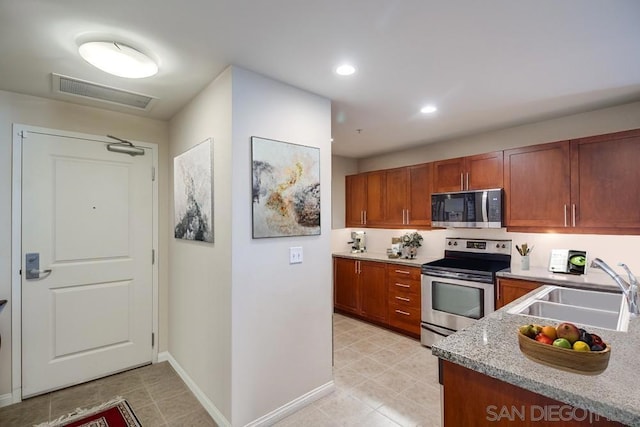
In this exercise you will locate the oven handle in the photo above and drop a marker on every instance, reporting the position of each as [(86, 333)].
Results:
[(436, 332)]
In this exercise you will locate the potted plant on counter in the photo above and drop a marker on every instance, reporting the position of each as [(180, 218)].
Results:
[(411, 241)]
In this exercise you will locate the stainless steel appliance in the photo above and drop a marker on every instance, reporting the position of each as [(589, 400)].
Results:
[(467, 209), (459, 288)]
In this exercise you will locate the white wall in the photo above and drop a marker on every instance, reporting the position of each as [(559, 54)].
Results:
[(29, 110), (200, 273), (281, 313)]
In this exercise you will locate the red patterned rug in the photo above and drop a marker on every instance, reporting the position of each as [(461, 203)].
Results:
[(115, 413)]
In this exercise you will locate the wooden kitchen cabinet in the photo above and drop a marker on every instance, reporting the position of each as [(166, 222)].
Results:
[(355, 199), (394, 198), (359, 288), (408, 196), (537, 185), (508, 290), (485, 397), (477, 172), (404, 298), (605, 174), (585, 185)]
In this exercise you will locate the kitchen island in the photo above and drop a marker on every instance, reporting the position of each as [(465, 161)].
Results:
[(488, 381)]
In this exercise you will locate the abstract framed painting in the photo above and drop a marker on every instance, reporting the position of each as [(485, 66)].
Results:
[(286, 189), (193, 193)]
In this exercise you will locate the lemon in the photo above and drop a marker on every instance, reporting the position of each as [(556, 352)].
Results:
[(581, 346)]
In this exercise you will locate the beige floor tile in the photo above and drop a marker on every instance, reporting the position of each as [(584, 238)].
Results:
[(422, 366), (365, 346), (199, 418), (375, 419), (344, 409), (343, 357), (424, 393), (406, 412), (68, 400), (138, 398), (168, 387), (395, 380), (387, 356), (154, 373), (177, 406), (150, 415), (309, 416), (372, 393), (346, 378), (344, 339), (368, 367)]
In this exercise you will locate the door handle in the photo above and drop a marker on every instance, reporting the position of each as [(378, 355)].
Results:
[(32, 267), (36, 274)]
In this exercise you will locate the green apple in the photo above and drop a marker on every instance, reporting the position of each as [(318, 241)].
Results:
[(562, 342)]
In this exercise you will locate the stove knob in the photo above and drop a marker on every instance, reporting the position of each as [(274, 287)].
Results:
[(503, 246), (449, 243), (497, 245), (455, 243)]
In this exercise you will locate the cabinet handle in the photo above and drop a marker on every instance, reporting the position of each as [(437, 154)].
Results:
[(404, 299), (573, 213), (498, 292), (565, 215), (462, 181), (355, 267), (359, 267), (403, 312), (467, 180), (402, 285), (403, 272), (408, 221), (365, 217)]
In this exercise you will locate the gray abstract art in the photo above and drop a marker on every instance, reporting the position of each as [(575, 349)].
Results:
[(193, 193)]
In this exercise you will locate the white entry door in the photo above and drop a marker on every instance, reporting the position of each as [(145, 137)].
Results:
[(88, 215)]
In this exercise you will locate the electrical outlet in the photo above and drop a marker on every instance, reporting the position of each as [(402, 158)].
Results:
[(295, 255)]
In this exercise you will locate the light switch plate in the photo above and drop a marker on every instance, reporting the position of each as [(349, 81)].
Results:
[(295, 255)]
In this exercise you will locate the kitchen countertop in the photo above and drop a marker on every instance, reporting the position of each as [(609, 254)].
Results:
[(382, 257), (490, 346), (593, 279)]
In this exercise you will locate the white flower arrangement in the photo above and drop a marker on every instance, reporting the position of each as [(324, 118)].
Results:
[(412, 240)]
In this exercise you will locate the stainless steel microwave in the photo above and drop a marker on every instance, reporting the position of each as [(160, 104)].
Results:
[(467, 209)]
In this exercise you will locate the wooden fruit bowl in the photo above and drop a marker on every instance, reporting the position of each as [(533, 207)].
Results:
[(579, 362)]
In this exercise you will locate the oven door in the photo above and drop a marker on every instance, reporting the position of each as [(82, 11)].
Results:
[(455, 303)]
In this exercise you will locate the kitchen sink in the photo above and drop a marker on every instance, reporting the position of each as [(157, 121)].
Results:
[(584, 307)]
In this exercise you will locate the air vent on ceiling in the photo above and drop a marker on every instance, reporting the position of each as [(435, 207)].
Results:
[(72, 86)]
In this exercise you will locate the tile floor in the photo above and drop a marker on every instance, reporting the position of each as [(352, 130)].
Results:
[(381, 378), (155, 392)]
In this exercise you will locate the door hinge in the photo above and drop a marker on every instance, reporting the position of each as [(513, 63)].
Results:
[(153, 256), (153, 339), (153, 173)]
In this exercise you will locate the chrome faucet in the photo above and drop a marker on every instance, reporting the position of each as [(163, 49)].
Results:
[(630, 289)]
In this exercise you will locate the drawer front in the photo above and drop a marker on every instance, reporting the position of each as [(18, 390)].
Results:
[(398, 286), (405, 318), (405, 300), (401, 272)]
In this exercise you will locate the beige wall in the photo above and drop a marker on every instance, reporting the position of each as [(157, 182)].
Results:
[(200, 273), (29, 110), (242, 318), (340, 167), (622, 117)]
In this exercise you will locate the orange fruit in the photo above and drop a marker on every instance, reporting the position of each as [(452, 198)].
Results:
[(550, 331)]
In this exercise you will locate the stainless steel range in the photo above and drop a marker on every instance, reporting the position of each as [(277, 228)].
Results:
[(459, 288)]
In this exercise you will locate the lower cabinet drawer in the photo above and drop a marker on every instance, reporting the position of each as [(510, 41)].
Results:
[(404, 317)]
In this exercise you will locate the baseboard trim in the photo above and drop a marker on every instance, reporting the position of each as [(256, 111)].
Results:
[(8, 399), (293, 406), (202, 398)]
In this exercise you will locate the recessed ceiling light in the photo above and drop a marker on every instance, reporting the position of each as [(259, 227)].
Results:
[(345, 70), (118, 59), (428, 109)]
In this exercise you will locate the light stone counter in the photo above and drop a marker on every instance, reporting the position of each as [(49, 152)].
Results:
[(594, 279), (490, 346), (382, 257)]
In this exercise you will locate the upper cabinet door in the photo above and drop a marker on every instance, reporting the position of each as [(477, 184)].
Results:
[(419, 201), (375, 211), (448, 175), (605, 175), (355, 199), (484, 171), (396, 187), (537, 185)]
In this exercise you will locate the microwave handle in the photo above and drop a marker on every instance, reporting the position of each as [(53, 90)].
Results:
[(485, 203)]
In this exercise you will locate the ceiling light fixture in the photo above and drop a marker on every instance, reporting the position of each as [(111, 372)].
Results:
[(345, 70), (428, 109), (118, 59)]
